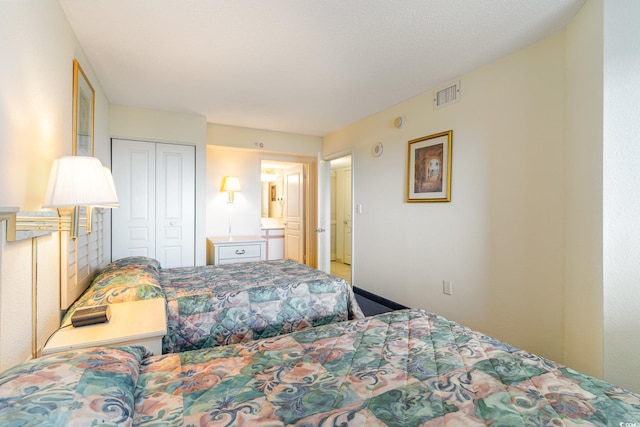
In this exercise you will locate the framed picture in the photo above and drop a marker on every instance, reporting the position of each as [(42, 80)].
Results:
[(429, 168), (83, 113), (273, 192)]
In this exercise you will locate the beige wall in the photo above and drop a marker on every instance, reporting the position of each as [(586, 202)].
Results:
[(238, 151), (583, 309), (263, 141), (37, 48), (540, 239), (501, 239)]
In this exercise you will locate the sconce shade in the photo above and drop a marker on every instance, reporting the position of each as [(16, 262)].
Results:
[(112, 185), (268, 177), (231, 183), (80, 181)]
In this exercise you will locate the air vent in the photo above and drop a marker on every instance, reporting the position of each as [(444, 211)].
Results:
[(446, 95)]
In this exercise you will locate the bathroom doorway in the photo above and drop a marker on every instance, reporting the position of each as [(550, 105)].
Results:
[(341, 217), (283, 209)]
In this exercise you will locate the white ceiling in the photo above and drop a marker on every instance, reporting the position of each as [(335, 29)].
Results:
[(300, 66)]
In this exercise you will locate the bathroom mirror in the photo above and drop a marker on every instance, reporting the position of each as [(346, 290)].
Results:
[(272, 188), (272, 197), (272, 194)]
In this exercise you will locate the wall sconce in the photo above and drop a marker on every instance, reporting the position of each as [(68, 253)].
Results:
[(74, 182), (231, 184), (268, 175)]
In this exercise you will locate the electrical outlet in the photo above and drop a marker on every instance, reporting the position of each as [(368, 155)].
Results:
[(447, 288)]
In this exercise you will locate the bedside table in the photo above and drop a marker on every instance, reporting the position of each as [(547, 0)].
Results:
[(225, 250), (132, 323)]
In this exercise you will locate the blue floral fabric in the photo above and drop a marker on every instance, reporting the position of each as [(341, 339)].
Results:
[(81, 387), (124, 280), (212, 305), (219, 305), (404, 368)]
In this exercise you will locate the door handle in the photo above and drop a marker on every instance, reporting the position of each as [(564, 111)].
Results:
[(319, 230)]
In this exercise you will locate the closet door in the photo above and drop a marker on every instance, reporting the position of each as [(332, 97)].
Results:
[(133, 165), (175, 205), (156, 188)]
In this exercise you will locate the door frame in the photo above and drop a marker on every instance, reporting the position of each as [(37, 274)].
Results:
[(310, 190), (326, 206)]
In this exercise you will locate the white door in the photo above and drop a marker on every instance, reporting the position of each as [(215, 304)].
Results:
[(348, 216), (175, 205), (134, 175), (324, 215), (340, 198), (341, 205), (294, 213), (333, 213), (156, 188)]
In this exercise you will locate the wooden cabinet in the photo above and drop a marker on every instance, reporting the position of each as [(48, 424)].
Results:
[(225, 250)]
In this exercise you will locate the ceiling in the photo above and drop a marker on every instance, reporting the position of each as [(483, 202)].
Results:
[(301, 66)]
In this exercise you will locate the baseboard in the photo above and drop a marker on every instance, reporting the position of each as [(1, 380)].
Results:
[(380, 300)]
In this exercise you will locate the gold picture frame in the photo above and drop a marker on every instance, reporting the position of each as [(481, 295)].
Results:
[(429, 168), (83, 113)]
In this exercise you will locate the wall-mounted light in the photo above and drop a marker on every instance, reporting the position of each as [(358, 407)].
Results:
[(230, 184), (268, 175), (74, 182)]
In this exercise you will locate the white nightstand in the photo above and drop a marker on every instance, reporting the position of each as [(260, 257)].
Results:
[(225, 250), (132, 323)]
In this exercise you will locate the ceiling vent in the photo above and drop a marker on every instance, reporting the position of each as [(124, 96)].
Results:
[(447, 94)]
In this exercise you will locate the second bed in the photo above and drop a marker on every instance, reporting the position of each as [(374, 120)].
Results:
[(209, 306)]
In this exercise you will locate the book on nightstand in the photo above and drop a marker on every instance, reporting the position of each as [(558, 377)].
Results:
[(90, 315)]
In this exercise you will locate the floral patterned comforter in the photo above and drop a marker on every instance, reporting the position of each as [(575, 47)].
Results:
[(219, 305), (127, 279), (77, 388), (405, 368)]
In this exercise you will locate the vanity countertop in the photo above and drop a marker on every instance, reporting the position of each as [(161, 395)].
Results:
[(273, 227)]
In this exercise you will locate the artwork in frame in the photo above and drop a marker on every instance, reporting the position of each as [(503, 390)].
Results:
[(429, 168), (83, 113), (273, 192)]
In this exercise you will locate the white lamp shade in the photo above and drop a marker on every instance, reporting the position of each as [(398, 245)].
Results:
[(80, 181), (231, 183), (112, 185), (268, 177)]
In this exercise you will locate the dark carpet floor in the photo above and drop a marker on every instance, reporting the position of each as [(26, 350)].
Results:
[(372, 304)]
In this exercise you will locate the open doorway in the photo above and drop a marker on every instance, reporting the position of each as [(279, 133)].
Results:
[(341, 217), (283, 202)]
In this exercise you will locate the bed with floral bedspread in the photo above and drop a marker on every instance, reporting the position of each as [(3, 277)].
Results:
[(405, 368), (212, 305)]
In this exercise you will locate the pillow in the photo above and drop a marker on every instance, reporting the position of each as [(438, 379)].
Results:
[(137, 261), (80, 387), (124, 280)]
